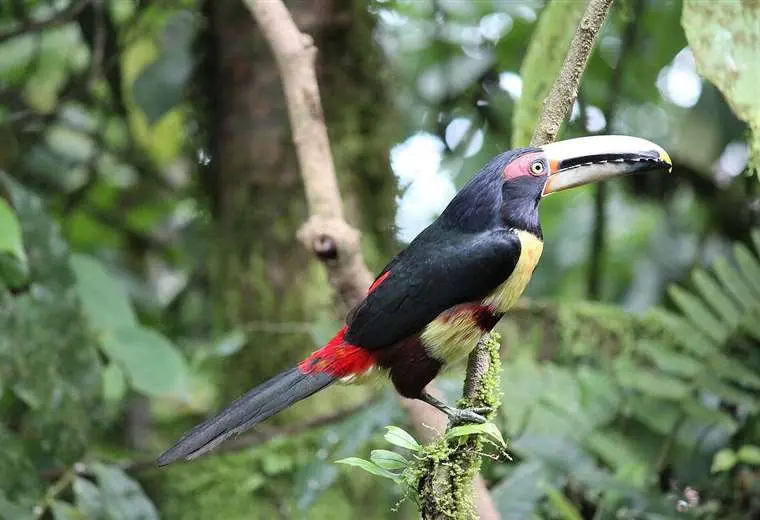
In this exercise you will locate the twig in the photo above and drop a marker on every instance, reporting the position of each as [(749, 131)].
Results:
[(58, 19), (600, 194), (326, 233), (565, 89)]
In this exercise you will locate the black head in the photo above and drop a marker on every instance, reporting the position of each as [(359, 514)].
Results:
[(506, 192)]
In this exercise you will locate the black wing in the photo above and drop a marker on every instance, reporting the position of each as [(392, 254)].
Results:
[(439, 269)]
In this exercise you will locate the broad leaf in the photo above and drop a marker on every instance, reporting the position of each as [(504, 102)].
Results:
[(389, 460), (725, 38), (104, 299), (13, 266), (88, 498), (123, 498), (724, 460), (749, 454), (65, 511), (489, 429), (114, 384), (518, 496), (399, 437), (152, 364), (10, 232), (368, 466)]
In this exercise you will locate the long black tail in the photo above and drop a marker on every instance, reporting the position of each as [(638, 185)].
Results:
[(258, 404)]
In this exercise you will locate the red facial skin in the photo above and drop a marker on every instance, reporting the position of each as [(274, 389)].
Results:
[(520, 167)]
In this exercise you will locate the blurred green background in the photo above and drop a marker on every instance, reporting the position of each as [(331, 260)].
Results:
[(149, 270)]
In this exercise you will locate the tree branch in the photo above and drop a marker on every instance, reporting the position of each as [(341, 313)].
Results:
[(562, 95), (326, 233)]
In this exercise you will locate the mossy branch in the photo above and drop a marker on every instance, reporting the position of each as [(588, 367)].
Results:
[(444, 471)]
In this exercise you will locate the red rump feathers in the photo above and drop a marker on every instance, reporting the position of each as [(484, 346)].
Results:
[(338, 359)]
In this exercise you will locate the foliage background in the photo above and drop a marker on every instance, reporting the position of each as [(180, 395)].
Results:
[(149, 270)]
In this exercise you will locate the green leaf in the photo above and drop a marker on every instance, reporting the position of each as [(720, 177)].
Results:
[(713, 294), (389, 460), (14, 511), (543, 61), (88, 498), (734, 283), (749, 266), (710, 417), (751, 325), (153, 365), (14, 269), (65, 511), (489, 429), (564, 508), (756, 240), (724, 460), (369, 467), (522, 383), (114, 384), (161, 85), (749, 454), (733, 370), (687, 335), (700, 316), (104, 299), (724, 38), (399, 437), (517, 497), (670, 361), (10, 232), (649, 382), (123, 498), (727, 392)]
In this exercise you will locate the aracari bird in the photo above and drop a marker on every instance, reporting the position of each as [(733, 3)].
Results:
[(435, 299)]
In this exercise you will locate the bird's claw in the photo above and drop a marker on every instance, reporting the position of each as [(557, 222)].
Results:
[(469, 415)]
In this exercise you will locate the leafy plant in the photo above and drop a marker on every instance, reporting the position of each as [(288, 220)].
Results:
[(667, 396)]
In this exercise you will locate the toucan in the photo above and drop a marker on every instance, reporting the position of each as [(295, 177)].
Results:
[(433, 301)]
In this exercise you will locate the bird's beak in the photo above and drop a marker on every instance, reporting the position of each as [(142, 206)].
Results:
[(576, 162)]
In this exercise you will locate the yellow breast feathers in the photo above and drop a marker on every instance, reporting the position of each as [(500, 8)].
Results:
[(455, 332), (507, 294)]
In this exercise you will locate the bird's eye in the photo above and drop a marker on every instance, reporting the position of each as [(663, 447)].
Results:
[(537, 168)]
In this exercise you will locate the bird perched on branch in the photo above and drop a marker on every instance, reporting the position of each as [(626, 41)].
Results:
[(432, 303)]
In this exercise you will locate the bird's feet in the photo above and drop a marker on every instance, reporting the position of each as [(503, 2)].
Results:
[(468, 415), (458, 416)]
